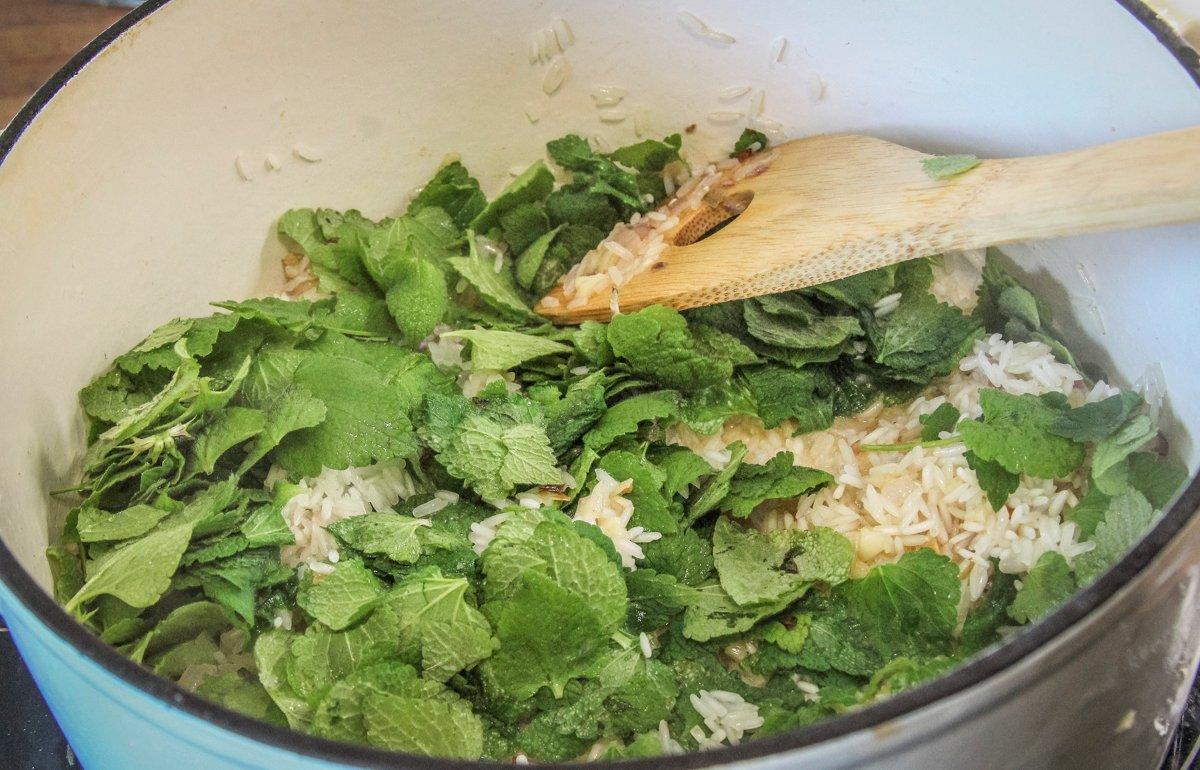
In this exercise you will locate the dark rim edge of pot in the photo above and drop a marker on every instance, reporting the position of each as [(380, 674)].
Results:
[(975, 672)]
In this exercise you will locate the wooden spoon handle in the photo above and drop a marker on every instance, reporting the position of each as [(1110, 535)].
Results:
[(1149, 180)]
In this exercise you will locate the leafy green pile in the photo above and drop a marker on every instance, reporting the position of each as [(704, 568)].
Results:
[(413, 641)]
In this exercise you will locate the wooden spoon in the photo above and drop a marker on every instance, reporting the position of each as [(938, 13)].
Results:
[(832, 206)]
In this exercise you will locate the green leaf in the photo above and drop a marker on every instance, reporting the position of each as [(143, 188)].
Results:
[(682, 468), (555, 549), (1127, 519), (94, 525), (233, 691), (504, 350), (946, 166), (498, 290), (454, 191), (1158, 478), (341, 598), (439, 728), (782, 393), (235, 582), (272, 652), (624, 417), (66, 572), (1092, 422), (366, 420), (779, 479), (717, 487), (339, 715), (548, 636), (266, 525), (806, 330), (655, 342), (751, 565), (1130, 437), (533, 257), (533, 185), (922, 338), (418, 299), (1047, 584), (984, 621), (229, 428), (939, 421), (997, 482), (187, 622), (1015, 432), (575, 413), (435, 617), (138, 573), (384, 534), (746, 142), (495, 450), (711, 613)]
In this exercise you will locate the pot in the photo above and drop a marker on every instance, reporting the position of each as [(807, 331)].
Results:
[(145, 178)]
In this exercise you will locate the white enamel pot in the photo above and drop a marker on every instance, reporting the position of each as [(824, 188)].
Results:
[(136, 187)]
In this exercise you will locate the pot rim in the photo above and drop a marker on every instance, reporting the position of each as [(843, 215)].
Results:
[(999, 659)]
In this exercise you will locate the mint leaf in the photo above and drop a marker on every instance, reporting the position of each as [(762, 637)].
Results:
[(1092, 422), (417, 299), (751, 565), (1015, 432), (272, 652), (339, 715), (624, 417), (686, 556), (441, 728), (717, 487), (656, 343), (681, 467), (533, 185), (922, 338), (568, 418), (941, 167), (997, 483), (504, 350), (341, 598), (365, 420), (556, 550), (939, 421), (783, 393), (493, 447), (711, 613), (747, 141), (138, 573), (94, 525), (984, 621), (1127, 519), (1158, 478), (454, 191), (235, 425), (384, 534), (533, 257), (1047, 584), (779, 479), (437, 620), (1113, 449), (498, 290), (797, 327), (548, 636)]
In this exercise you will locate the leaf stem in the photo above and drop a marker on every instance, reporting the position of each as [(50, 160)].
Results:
[(910, 445)]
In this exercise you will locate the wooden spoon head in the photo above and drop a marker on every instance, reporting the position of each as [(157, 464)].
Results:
[(822, 208)]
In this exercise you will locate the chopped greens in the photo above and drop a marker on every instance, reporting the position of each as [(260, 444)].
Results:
[(410, 514)]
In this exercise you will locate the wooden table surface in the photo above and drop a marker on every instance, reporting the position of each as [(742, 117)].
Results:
[(39, 36)]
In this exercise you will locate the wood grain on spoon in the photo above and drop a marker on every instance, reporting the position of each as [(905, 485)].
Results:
[(832, 206)]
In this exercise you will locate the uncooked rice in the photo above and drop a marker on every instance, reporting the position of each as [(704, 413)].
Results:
[(632, 248), (332, 496), (607, 507), (727, 716)]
